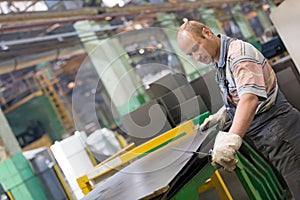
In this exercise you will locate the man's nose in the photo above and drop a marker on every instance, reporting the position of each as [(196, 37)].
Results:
[(195, 56)]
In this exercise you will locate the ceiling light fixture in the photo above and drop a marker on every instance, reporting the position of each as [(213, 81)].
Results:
[(4, 47)]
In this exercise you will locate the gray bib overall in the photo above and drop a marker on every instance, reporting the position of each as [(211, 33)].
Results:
[(275, 133)]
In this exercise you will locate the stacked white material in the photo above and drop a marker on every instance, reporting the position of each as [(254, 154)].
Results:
[(73, 160)]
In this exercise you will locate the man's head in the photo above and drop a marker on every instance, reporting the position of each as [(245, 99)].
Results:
[(198, 41)]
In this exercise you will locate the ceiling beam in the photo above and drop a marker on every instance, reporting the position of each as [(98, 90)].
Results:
[(170, 6), (43, 16), (17, 0), (95, 13)]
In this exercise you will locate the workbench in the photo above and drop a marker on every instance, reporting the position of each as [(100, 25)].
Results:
[(159, 173), (170, 174)]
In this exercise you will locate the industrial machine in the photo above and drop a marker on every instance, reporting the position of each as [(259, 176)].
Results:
[(157, 170)]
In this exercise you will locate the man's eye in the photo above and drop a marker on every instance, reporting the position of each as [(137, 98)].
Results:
[(195, 48)]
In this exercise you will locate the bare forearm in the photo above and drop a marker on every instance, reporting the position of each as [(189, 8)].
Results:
[(244, 114)]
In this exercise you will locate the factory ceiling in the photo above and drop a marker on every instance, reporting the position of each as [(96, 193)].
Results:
[(29, 37)]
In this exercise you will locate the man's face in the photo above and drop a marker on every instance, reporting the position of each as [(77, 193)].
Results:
[(194, 48)]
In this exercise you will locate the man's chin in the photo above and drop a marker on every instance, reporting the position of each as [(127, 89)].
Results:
[(207, 61), (206, 64)]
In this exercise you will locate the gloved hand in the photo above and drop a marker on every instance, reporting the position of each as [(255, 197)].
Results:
[(225, 148), (220, 116)]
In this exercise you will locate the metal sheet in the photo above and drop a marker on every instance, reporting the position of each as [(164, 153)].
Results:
[(150, 173)]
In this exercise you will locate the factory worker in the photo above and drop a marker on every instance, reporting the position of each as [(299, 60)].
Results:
[(252, 100)]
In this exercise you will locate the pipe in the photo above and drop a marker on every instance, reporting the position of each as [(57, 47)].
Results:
[(7, 29), (168, 7), (13, 18), (21, 62), (57, 36), (64, 17), (32, 60)]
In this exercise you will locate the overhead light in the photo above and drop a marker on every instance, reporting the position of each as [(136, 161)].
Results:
[(2, 89), (110, 3), (137, 26), (138, 66), (60, 39), (4, 47), (141, 51), (265, 7), (71, 85), (108, 18), (121, 3), (159, 45)]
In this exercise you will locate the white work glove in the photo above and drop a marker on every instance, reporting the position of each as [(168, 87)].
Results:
[(220, 116), (225, 148)]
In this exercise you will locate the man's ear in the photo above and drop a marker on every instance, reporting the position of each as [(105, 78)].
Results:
[(206, 32)]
